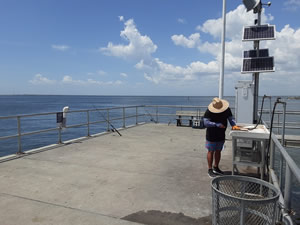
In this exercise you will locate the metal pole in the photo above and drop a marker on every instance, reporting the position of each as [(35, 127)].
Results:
[(283, 124), (108, 120), (136, 115), (255, 104), (59, 135), (287, 187), (221, 81), (88, 123), (156, 114), (124, 124), (255, 76), (281, 171), (19, 136)]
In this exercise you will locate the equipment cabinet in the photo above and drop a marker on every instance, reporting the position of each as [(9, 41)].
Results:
[(249, 148)]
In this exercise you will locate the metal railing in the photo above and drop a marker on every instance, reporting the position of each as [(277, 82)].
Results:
[(106, 116), (283, 178), (278, 122), (282, 168)]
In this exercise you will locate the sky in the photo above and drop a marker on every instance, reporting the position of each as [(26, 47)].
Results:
[(140, 47)]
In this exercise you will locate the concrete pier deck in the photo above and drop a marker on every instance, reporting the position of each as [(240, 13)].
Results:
[(152, 174)]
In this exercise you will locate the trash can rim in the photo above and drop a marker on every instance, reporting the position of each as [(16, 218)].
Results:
[(245, 178)]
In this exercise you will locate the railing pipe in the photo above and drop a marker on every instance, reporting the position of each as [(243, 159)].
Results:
[(281, 172), (136, 115), (285, 216), (283, 123), (287, 187), (124, 122), (293, 166), (59, 135), (108, 120), (88, 122), (19, 135)]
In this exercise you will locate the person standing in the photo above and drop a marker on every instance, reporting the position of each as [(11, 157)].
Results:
[(215, 121)]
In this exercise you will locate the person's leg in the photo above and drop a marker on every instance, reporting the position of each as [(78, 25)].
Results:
[(217, 158), (210, 159)]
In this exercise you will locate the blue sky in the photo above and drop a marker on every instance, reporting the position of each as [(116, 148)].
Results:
[(139, 47)]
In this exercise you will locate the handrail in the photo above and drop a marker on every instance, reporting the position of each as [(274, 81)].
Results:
[(88, 122), (291, 163)]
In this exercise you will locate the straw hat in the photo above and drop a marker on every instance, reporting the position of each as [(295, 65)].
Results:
[(218, 105)]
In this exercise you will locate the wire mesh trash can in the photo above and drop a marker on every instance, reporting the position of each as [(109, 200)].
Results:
[(239, 200)]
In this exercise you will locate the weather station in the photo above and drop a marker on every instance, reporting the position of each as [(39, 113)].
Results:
[(255, 61), (249, 144)]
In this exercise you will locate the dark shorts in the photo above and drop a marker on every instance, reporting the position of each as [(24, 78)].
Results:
[(214, 146)]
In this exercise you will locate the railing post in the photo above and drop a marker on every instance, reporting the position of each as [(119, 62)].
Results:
[(287, 187), (124, 122), (278, 122), (281, 172), (156, 114), (108, 120), (136, 115), (88, 122), (59, 134), (19, 136), (283, 124), (272, 159)]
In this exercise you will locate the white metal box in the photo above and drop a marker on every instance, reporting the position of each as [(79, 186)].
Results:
[(244, 100)]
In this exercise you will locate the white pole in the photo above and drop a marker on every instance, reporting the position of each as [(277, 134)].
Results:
[(221, 81)]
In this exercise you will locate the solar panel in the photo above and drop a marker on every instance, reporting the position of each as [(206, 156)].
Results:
[(253, 53), (255, 33), (257, 65)]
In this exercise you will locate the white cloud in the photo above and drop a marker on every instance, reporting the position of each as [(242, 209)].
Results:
[(285, 49), (292, 5), (235, 20), (60, 47), (40, 79), (181, 20), (191, 42), (70, 81), (101, 72), (139, 46), (160, 72), (123, 74)]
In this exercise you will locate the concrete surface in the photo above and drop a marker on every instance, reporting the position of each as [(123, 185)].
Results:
[(152, 174)]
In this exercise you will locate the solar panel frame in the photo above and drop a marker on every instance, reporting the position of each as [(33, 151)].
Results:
[(258, 65), (257, 33), (253, 53)]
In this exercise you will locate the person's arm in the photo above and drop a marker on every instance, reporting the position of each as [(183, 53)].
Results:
[(231, 121), (208, 123)]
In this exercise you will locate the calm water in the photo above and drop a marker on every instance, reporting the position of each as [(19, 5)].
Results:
[(30, 104)]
